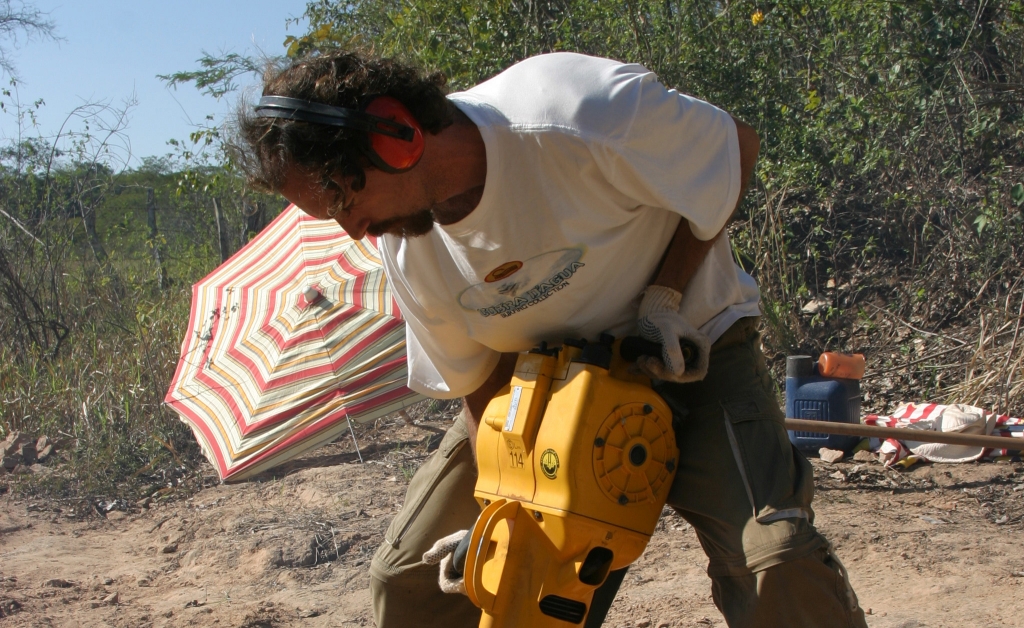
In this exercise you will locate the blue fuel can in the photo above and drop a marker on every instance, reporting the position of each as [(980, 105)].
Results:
[(814, 397)]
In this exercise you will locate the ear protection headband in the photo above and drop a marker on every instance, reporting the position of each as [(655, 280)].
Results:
[(394, 137)]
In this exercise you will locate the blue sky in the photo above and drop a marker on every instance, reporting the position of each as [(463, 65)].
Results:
[(114, 48)]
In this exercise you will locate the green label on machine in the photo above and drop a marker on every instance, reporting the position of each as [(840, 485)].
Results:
[(549, 463)]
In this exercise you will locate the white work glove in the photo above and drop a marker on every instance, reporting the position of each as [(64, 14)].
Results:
[(659, 321), (441, 553)]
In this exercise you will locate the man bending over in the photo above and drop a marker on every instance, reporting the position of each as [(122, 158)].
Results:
[(565, 197)]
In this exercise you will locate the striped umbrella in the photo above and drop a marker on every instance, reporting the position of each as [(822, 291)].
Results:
[(289, 340)]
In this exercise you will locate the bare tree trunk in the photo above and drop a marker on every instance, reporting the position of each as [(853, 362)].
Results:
[(154, 243), (255, 220), (222, 233)]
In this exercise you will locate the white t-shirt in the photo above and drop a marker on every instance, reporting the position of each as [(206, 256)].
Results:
[(590, 165)]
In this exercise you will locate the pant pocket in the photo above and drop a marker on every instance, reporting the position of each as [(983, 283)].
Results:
[(777, 479), (425, 481)]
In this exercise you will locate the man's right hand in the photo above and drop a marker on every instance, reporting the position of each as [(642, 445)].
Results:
[(659, 321)]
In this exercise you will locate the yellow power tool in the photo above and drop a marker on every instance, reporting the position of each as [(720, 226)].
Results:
[(575, 461)]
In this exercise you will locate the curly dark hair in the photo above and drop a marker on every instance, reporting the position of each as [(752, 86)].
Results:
[(264, 148)]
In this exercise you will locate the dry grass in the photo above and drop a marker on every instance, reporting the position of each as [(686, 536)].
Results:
[(101, 397), (994, 371)]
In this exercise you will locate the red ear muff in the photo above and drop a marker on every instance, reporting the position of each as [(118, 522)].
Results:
[(394, 139), (392, 154)]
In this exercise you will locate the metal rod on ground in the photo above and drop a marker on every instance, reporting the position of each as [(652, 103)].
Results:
[(354, 442), (918, 436)]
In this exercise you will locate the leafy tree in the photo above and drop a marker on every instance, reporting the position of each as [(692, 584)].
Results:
[(217, 74)]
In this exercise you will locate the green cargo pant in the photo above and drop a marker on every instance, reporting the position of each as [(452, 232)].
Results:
[(740, 484)]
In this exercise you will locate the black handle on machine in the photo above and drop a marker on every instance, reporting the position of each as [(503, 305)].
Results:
[(633, 347), (459, 556)]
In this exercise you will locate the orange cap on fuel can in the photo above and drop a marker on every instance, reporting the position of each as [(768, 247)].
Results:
[(841, 365)]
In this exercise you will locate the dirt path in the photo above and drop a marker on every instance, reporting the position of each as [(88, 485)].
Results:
[(931, 547)]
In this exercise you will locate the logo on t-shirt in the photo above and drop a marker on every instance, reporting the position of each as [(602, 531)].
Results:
[(501, 272), (514, 286)]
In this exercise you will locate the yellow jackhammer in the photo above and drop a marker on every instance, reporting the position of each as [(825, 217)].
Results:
[(575, 458)]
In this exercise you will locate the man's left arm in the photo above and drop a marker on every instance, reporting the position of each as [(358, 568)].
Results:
[(658, 318), (686, 252)]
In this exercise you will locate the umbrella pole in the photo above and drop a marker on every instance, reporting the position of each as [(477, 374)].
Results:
[(354, 442)]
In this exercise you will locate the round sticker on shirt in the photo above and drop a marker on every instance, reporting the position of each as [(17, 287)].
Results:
[(505, 270)]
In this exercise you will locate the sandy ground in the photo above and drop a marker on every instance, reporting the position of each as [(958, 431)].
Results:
[(932, 546)]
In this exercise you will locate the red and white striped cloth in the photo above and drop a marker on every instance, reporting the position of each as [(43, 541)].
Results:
[(942, 418)]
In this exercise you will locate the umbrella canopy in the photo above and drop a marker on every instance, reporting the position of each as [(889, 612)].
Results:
[(293, 337)]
